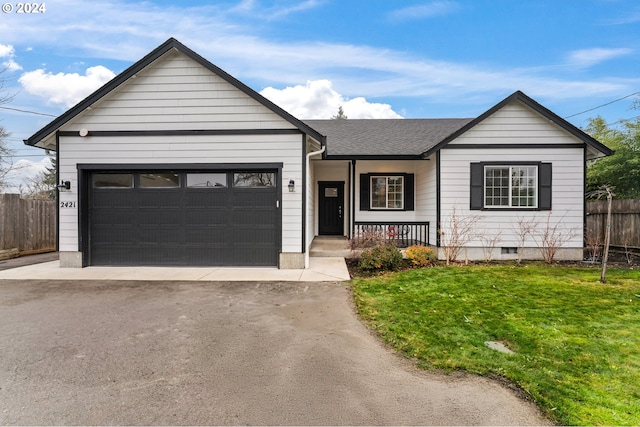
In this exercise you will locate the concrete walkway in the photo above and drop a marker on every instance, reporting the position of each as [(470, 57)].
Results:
[(322, 269)]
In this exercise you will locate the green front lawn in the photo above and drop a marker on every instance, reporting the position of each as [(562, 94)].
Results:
[(576, 341)]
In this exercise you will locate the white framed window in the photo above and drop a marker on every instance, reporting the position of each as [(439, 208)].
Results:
[(387, 192), (508, 186)]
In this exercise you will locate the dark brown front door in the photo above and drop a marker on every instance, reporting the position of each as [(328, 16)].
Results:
[(331, 207)]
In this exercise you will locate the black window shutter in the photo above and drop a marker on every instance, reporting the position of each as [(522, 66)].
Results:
[(408, 192), (477, 186), (364, 192), (544, 186)]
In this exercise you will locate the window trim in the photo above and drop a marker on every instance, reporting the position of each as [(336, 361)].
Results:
[(371, 192), (408, 191), (510, 166), (544, 186)]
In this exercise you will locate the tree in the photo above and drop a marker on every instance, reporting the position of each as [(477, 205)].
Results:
[(6, 163), (6, 154), (43, 185), (605, 191), (622, 170), (51, 179), (341, 115)]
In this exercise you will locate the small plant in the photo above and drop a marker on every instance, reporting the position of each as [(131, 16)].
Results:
[(421, 256), (381, 257), (524, 227), (592, 239), (489, 244), (628, 252), (456, 233), (551, 238), (366, 238)]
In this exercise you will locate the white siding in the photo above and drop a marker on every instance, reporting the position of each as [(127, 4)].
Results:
[(516, 124), (390, 167), (176, 93), (426, 195)]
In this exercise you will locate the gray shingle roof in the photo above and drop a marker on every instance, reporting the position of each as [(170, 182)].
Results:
[(384, 137)]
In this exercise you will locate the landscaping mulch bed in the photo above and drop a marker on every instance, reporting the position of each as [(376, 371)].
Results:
[(617, 259)]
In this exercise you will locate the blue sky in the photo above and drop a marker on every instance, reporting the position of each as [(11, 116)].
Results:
[(440, 58)]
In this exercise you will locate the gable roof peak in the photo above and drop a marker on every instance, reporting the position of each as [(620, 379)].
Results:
[(518, 95), (170, 44)]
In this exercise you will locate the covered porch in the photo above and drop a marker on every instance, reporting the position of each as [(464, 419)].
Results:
[(370, 200)]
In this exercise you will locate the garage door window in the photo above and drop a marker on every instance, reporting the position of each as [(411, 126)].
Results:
[(112, 180), (207, 180), (159, 180), (254, 179)]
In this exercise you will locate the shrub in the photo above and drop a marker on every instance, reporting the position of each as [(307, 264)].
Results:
[(381, 257), (421, 256), (366, 239)]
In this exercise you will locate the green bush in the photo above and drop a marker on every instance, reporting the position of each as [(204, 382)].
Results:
[(421, 256), (381, 257)]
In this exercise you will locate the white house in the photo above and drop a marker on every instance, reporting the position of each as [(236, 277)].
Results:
[(175, 162)]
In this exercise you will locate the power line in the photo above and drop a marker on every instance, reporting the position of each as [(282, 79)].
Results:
[(603, 105), (624, 120), (27, 111)]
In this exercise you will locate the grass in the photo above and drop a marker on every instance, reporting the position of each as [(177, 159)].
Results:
[(576, 341)]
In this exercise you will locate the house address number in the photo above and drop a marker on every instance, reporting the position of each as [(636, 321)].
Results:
[(67, 204)]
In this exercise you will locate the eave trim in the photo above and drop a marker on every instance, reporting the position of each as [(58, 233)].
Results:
[(550, 115), (147, 60)]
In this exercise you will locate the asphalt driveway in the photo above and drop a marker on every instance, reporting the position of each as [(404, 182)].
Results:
[(110, 352)]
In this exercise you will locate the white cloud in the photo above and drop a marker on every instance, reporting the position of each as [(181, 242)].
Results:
[(305, 5), (23, 171), (318, 100), (588, 57), (67, 89), (230, 38), (11, 65), (7, 51), (429, 10), (630, 17)]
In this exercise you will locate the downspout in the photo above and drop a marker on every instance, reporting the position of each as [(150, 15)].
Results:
[(57, 191), (308, 191)]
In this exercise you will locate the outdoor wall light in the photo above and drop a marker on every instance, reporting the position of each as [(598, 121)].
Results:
[(64, 185), (292, 186)]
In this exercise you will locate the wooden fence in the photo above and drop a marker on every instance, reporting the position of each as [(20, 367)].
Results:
[(26, 224), (625, 222)]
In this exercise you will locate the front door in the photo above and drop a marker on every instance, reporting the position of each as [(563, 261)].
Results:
[(331, 208)]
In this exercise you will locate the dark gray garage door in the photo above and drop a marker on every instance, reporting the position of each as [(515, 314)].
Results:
[(228, 218)]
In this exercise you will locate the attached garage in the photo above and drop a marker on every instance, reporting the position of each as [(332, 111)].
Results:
[(178, 217), (176, 163)]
